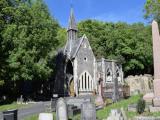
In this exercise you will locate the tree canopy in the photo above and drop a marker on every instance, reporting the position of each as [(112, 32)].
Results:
[(129, 44), (152, 10)]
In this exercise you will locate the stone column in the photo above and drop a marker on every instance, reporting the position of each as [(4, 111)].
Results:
[(156, 58)]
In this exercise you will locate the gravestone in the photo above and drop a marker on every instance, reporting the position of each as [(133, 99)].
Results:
[(1, 116), (155, 97), (45, 116), (10, 114), (61, 110), (88, 111), (117, 115), (156, 56), (99, 99)]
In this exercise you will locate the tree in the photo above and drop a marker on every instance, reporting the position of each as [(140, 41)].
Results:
[(129, 44), (152, 10), (28, 41)]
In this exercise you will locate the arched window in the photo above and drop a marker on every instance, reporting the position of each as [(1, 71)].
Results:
[(85, 82)]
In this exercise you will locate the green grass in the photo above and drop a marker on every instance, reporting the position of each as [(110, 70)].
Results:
[(103, 113), (13, 105)]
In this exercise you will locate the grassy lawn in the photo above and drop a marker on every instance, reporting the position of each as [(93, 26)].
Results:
[(13, 105), (103, 113)]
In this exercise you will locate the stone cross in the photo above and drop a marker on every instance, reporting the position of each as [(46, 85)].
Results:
[(88, 111), (61, 110), (156, 57)]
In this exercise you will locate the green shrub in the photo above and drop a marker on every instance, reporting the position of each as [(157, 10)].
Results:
[(140, 106)]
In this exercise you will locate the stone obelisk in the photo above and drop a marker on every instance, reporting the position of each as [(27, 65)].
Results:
[(156, 58)]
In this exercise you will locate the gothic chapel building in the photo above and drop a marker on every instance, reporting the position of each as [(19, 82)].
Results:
[(76, 66)]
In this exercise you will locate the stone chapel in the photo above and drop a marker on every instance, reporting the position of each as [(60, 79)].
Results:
[(78, 72)]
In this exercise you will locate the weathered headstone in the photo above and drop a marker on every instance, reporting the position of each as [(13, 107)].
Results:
[(88, 111), (61, 110), (45, 116), (156, 57), (1, 116), (117, 115)]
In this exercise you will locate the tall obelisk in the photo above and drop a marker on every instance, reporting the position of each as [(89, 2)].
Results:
[(156, 58)]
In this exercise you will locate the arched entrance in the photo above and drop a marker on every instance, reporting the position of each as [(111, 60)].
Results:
[(85, 82), (69, 78)]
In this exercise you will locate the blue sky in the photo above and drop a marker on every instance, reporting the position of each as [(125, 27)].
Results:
[(129, 11)]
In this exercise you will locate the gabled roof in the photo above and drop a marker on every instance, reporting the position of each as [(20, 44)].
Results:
[(74, 51)]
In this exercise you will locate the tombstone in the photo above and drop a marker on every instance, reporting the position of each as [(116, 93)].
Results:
[(99, 99), (45, 116), (20, 100), (88, 111), (10, 114), (156, 56), (117, 115), (61, 110), (1, 116)]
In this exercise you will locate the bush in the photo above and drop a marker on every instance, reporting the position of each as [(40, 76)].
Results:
[(141, 106)]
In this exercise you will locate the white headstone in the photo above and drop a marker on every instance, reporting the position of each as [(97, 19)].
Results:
[(45, 116), (61, 110)]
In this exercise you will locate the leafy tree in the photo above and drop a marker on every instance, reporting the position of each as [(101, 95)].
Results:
[(152, 10), (129, 44), (28, 41)]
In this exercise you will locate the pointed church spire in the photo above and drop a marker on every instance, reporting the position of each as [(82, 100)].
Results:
[(72, 22), (72, 32)]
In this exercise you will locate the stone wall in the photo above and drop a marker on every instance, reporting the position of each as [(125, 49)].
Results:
[(140, 83)]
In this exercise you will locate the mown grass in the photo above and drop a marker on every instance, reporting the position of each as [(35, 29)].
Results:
[(13, 105), (103, 113)]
